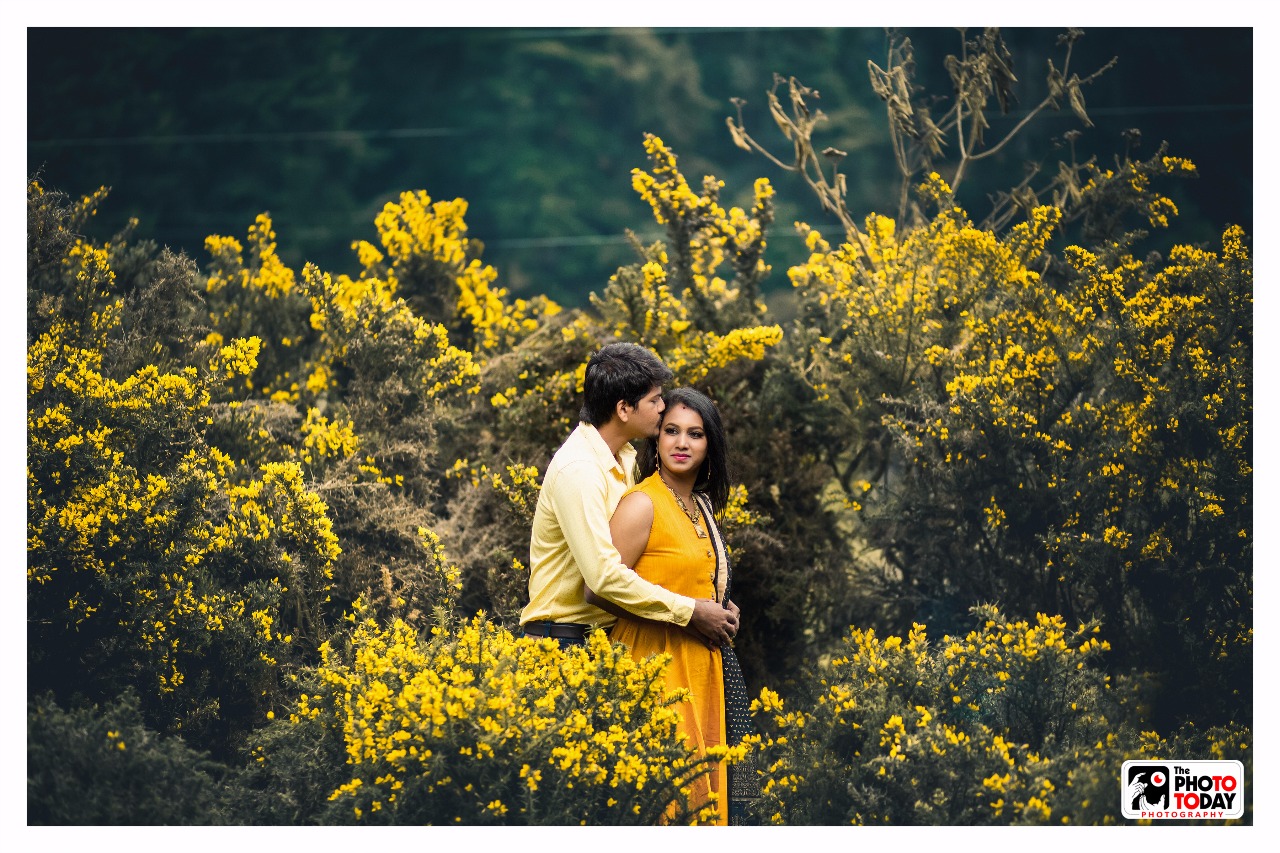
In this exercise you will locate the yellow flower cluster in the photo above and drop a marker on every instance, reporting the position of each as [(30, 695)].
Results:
[(519, 485), (721, 351), (705, 234), (324, 438), (676, 302), (890, 302), (239, 358), (477, 726), (1133, 181), (266, 273), (437, 365), (304, 352), (533, 392), (1001, 651), (447, 572), (426, 245), (91, 268), (250, 293), (736, 513)]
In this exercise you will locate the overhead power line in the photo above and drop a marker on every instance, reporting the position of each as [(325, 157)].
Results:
[(559, 242), (437, 132), (1171, 108)]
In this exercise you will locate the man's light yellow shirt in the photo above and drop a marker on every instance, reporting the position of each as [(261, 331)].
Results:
[(571, 541)]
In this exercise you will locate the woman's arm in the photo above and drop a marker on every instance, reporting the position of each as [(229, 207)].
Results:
[(630, 526), (603, 603)]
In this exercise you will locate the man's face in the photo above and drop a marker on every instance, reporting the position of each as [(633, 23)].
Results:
[(646, 418)]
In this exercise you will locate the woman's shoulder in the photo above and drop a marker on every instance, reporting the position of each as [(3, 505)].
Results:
[(635, 508), (645, 486), (643, 492)]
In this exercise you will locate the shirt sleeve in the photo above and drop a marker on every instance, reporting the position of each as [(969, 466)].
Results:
[(580, 501)]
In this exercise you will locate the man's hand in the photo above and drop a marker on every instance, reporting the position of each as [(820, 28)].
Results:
[(714, 622)]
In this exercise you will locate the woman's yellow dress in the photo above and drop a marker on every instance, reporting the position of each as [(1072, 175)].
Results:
[(679, 560)]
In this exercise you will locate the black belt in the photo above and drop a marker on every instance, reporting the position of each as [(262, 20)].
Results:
[(556, 630)]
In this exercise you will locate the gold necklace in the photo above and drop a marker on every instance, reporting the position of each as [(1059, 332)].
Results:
[(694, 516)]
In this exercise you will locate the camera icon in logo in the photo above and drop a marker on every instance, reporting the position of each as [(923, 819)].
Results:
[(1147, 787)]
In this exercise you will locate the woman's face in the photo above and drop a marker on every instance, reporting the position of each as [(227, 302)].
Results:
[(682, 442)]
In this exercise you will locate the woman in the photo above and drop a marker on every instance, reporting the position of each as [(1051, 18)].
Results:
[(664, 528)]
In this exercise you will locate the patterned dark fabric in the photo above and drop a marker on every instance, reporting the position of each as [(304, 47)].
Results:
[(744, 780), (744, 783)]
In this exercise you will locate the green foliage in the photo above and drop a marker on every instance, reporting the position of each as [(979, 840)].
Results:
[(102, 766)]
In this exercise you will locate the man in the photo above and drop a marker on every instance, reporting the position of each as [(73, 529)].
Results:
[(583, 483)]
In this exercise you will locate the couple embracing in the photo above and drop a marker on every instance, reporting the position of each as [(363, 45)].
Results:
[(645, 560)]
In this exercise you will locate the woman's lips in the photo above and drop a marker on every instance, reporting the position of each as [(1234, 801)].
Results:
[(679, 457)]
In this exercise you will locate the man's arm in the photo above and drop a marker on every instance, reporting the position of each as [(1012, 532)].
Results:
[(720, 627), (629, 529)]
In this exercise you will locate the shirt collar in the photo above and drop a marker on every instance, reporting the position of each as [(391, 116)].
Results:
[(625, 459)]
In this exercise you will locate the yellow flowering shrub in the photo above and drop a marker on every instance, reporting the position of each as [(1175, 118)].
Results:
[(1012, 723), (1096, 420), (473, 726), (252, 293), (351, 383), (676, 301), (1067, 417), (155, 561), (519, 484), (694, 299)]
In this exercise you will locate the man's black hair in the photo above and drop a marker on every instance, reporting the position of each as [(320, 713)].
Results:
[(620, 371)]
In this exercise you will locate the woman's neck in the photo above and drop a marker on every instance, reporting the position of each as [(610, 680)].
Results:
[(681, 484)]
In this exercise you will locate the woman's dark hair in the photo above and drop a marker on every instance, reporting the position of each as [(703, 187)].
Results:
[(620, 371), (714, 475)]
